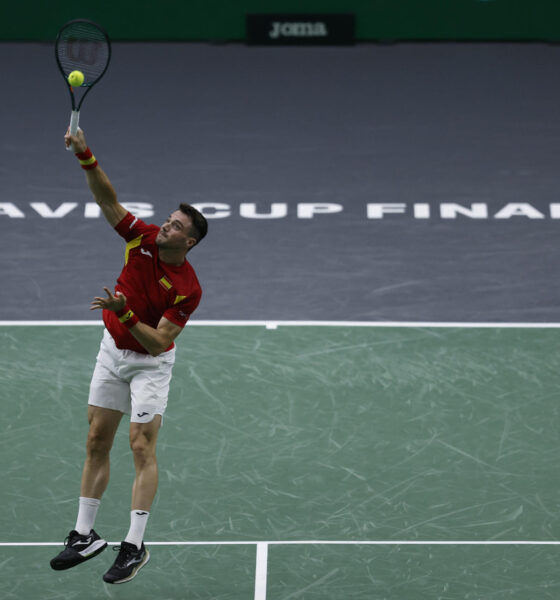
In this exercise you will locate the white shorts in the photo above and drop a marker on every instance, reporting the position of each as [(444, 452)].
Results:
[(130, 382)]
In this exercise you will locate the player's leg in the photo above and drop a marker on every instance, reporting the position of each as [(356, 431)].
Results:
[(133, 555), (103, 425), (149, 390), (83, 543), (109, 398), (143, 439)]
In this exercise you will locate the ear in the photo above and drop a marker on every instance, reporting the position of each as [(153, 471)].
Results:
[(190, 243)]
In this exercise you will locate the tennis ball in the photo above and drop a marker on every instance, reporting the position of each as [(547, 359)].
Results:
[(76, 78)]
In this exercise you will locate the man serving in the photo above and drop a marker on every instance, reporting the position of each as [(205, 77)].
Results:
[(155, 294)]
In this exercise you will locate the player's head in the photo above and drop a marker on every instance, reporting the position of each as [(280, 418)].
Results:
[(199, 224), (183, 229)]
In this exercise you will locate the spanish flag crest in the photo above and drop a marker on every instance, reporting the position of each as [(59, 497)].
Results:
[(165, 283)]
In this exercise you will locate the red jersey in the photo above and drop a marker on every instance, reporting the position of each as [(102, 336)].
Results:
[(153, 289)]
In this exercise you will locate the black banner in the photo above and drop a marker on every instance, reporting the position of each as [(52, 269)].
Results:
[(300, 29)]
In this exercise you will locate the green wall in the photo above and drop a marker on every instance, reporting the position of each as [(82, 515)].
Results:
[(225, 19)]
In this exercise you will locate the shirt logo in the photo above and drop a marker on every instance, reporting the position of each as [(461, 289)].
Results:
[(146, 252)]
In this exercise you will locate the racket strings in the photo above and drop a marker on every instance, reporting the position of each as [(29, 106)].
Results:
[(83, 47)]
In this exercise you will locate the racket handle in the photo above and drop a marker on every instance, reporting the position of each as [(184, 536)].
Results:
[(74, 121)]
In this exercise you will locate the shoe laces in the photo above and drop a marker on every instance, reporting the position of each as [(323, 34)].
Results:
[(125, 553), (71, 537)]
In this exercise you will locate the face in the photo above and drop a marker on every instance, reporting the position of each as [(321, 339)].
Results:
[(174, 234)]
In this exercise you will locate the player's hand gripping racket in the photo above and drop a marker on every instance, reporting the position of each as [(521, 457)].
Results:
[(82, 46)]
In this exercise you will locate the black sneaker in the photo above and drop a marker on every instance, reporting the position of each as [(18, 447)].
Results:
[(127, 564), (79, 548)]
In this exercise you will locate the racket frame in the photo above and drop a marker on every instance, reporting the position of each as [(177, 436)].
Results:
[(76, 106)]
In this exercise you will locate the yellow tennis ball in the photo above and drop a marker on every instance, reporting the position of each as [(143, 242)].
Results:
[(76, 78)]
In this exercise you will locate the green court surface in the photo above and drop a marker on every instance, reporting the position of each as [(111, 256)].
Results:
[(394, 440)]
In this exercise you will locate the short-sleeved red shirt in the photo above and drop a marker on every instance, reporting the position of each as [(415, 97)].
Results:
[(153, 289)]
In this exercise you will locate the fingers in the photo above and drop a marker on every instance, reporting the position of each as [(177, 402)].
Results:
[(97, 303), (110, 302), (120, 297), (78, 141)]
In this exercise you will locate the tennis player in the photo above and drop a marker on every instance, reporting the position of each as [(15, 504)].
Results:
[(155, 294)]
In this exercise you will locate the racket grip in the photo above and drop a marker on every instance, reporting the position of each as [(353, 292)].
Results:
[(74, 121)]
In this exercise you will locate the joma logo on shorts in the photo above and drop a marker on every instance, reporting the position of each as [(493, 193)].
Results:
[(292, 29)]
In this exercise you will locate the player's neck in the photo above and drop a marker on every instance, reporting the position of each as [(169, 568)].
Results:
[(172, 257)]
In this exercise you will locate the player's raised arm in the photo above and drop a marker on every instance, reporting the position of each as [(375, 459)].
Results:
[(98, 182)]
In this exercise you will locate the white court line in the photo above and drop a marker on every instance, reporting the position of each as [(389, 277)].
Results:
[(261, 566), (271, 324), (327, 543), (261, 569)]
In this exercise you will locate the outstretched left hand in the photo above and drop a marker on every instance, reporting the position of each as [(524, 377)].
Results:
[(114, 303)]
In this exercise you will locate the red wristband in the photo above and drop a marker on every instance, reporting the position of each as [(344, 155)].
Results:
[(87, 160), (127, 317)]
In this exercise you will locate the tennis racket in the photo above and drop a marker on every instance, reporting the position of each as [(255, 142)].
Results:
[(81, 45)]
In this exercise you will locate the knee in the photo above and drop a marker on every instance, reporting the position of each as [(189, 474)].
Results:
[(142, 450), (98, 444)]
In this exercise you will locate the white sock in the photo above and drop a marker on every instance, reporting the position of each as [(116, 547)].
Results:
[(86, 515), (138, 522)]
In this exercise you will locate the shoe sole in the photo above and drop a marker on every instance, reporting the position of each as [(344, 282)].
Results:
[(134, 571), (96, 548)]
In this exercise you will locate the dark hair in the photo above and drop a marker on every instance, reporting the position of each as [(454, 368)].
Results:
[(199, 223)]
